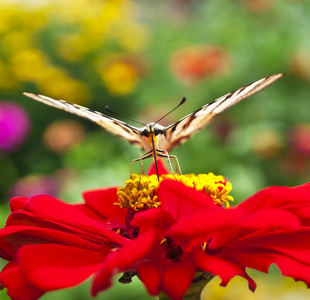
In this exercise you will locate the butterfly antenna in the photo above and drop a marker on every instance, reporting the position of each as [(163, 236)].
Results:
[(112, 112), (182, 101)]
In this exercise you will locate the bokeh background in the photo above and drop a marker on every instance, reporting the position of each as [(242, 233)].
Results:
[(140, 58)]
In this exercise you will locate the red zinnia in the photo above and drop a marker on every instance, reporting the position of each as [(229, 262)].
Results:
[(162, 232)]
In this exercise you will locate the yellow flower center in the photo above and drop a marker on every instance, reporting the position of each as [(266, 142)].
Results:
[(140, 191)]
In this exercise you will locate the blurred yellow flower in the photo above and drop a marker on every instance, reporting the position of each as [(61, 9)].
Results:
[(95, 19), (85, 10), (56, 83), (20, 17), (102, 21), (8, 80), (133, 36), (28, 64), (9, 17), (81, 29), (73, 47), (14, 42), (119, 77), (278, 287)]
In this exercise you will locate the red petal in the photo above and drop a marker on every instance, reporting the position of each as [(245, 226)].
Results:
[(226, 269), (103, 201), (50, 208), (167, 276), (51, 266), (149, 275), (180, 200), (27, 218), (194, 230), (5, 255), (290, 251), (302, 188), (152, 219), (178, 277), (21, 218), (18, 203), (124, 259), (269, 220), (278, 197), (86, 210), (18, 287), (102, 281), (14, 237)]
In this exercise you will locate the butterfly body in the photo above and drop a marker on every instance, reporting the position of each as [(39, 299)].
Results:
[(155, 138), (153, 134)]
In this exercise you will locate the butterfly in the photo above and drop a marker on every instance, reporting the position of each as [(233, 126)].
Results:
[(154, 138)]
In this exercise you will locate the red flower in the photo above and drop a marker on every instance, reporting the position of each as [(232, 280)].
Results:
[(189, 233), (195, 63), (51, 245)]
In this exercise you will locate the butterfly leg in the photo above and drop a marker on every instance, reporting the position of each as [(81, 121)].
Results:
[(143, 156), (163, 153), (176, 164), (175, 161)]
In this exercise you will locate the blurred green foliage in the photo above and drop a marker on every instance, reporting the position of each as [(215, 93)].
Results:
[(120, 53)]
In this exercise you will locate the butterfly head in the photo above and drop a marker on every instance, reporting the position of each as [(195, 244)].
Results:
[(152, 129)]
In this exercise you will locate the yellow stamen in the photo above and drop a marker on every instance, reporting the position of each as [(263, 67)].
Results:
[(140, 191), (204, 246), (164, 240)]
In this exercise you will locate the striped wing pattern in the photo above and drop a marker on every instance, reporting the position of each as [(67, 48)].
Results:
[(114, 126), (176, 133), (185, 128)]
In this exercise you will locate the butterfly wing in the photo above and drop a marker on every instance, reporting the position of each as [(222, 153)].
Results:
[(182, 130), (114, 126)]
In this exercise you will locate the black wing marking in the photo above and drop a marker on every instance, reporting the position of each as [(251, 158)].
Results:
[(185, 128), (114, 126)]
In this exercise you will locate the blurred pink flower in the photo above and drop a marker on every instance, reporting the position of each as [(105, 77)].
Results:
[(36, 185), (299, 138), (14, 126)]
